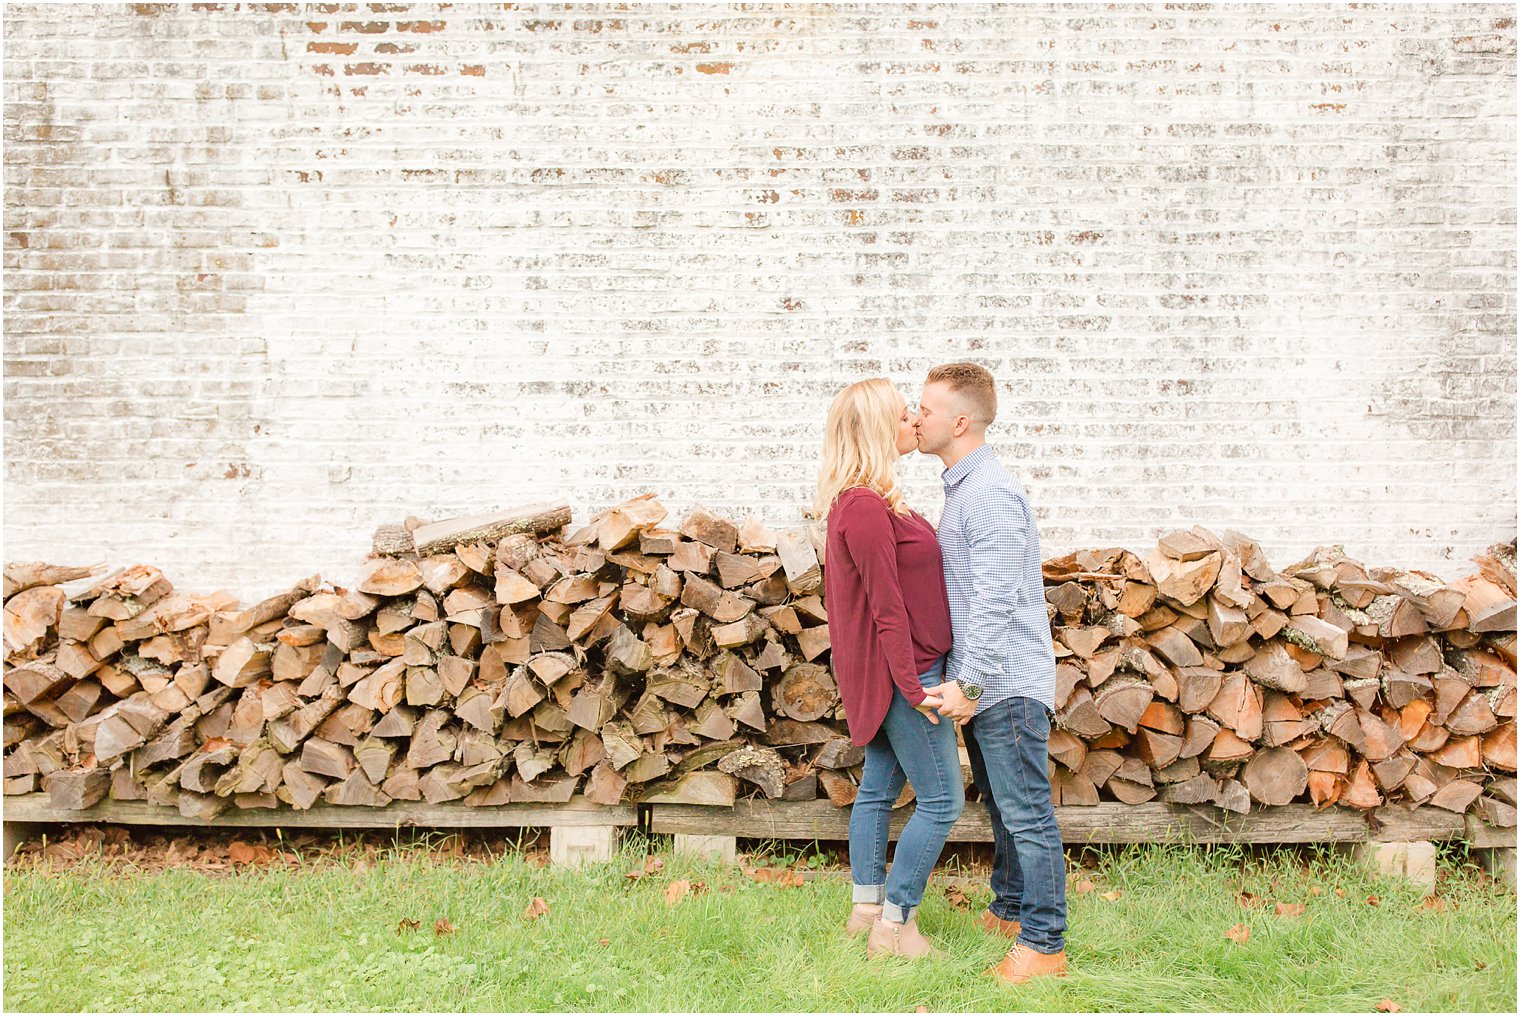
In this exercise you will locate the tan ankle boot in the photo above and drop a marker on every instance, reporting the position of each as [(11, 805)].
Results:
[(992, 924), (891, 939), (1023, 964), (862, 916)]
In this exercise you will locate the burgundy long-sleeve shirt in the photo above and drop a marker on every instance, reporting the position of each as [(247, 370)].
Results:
[(889, 615)]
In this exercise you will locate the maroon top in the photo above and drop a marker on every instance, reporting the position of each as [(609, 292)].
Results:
[(889, 616)]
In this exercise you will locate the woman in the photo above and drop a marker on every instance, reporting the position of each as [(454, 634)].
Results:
[(889, 624)]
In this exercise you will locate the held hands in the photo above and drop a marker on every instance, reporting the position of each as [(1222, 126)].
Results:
[(927, 707), (953, 702)]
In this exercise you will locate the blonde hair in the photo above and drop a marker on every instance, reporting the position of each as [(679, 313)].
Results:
[(860, 445)]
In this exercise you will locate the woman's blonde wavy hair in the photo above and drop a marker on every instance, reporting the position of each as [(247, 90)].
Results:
[(860, 445)]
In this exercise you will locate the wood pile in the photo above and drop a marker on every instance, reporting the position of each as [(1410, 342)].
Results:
[(1202, 675), (514, 658)]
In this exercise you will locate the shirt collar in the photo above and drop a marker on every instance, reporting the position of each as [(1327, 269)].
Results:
[(956, 473)]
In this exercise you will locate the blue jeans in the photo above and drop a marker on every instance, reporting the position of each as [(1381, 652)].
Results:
[(1008, 745), (908, 746)]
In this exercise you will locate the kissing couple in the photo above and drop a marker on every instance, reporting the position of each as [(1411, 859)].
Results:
[(934, 631)]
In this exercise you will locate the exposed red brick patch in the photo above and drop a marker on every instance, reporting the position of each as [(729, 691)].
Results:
[(791, 303), (208, 8), (841, 195), (339, 48), (1086, 236), (149, 10), (854, 217), (422, 27), (274, 8), (473, 70), (537, 25), (431, 70), (393, 47), (365, 27), (317, 26), (1504, 23), (714, 68), (922, 25), (692, 47), (324, 69), (367, 68), (1334, 107)]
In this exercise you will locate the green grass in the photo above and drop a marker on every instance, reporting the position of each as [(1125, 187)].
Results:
[(324, 936)]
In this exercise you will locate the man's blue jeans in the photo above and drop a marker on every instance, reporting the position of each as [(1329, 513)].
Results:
[(908, 746), (1008, 743)]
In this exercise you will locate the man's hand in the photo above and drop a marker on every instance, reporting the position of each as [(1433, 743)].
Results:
[(928, 705), (953, 701)]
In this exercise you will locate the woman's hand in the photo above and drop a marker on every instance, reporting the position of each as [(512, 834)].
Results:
[(928, 705)]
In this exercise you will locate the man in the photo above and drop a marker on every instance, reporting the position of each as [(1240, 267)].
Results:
[(1000, 676)]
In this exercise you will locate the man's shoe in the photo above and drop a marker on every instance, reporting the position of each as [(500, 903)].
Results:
[(992, 924), (891, 939), (862, 916), (1023, 964)]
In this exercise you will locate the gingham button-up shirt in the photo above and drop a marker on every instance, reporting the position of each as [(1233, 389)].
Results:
[(991, 551)]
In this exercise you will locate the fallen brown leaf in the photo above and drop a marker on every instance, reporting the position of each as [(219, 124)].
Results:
[(408, 924), (1238, 934), (443, 927), (652, 865), (1288, 909), (1111, 896), (1436, 903), (676, 892), (1083, 886), (1315, 890), (1388, 1005), (604, 942), (1340, 892), (776, 876), (1374, 901), (538, 908), (1248, 900), (957, 897)]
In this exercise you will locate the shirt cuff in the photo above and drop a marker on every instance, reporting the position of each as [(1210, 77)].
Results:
[(970, 674)]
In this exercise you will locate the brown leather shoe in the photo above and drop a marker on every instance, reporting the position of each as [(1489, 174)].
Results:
[(862, 916), (992, 924), (1023, 964), (891, 939)]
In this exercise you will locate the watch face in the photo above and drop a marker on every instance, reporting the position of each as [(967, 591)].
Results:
[(971, 691)]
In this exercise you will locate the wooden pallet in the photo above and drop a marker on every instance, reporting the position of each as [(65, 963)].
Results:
[(1393, 840), (579, 831)]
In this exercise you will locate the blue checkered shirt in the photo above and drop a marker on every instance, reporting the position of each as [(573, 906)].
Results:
[(991, 550)]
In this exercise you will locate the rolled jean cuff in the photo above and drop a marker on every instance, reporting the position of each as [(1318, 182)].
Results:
[(869, 893), (897, 915)]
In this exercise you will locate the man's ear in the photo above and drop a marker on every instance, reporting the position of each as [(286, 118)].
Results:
[(962, 425)]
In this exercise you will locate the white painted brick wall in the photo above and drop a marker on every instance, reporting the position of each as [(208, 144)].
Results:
[(278, 274)]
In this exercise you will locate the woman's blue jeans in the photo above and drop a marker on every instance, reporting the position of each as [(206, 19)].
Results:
[(907, 747)]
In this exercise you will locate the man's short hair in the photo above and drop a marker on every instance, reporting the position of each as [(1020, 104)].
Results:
[(973, 383)]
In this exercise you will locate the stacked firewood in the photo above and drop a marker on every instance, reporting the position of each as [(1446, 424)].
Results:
[(513, 658), (1200, 674)]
